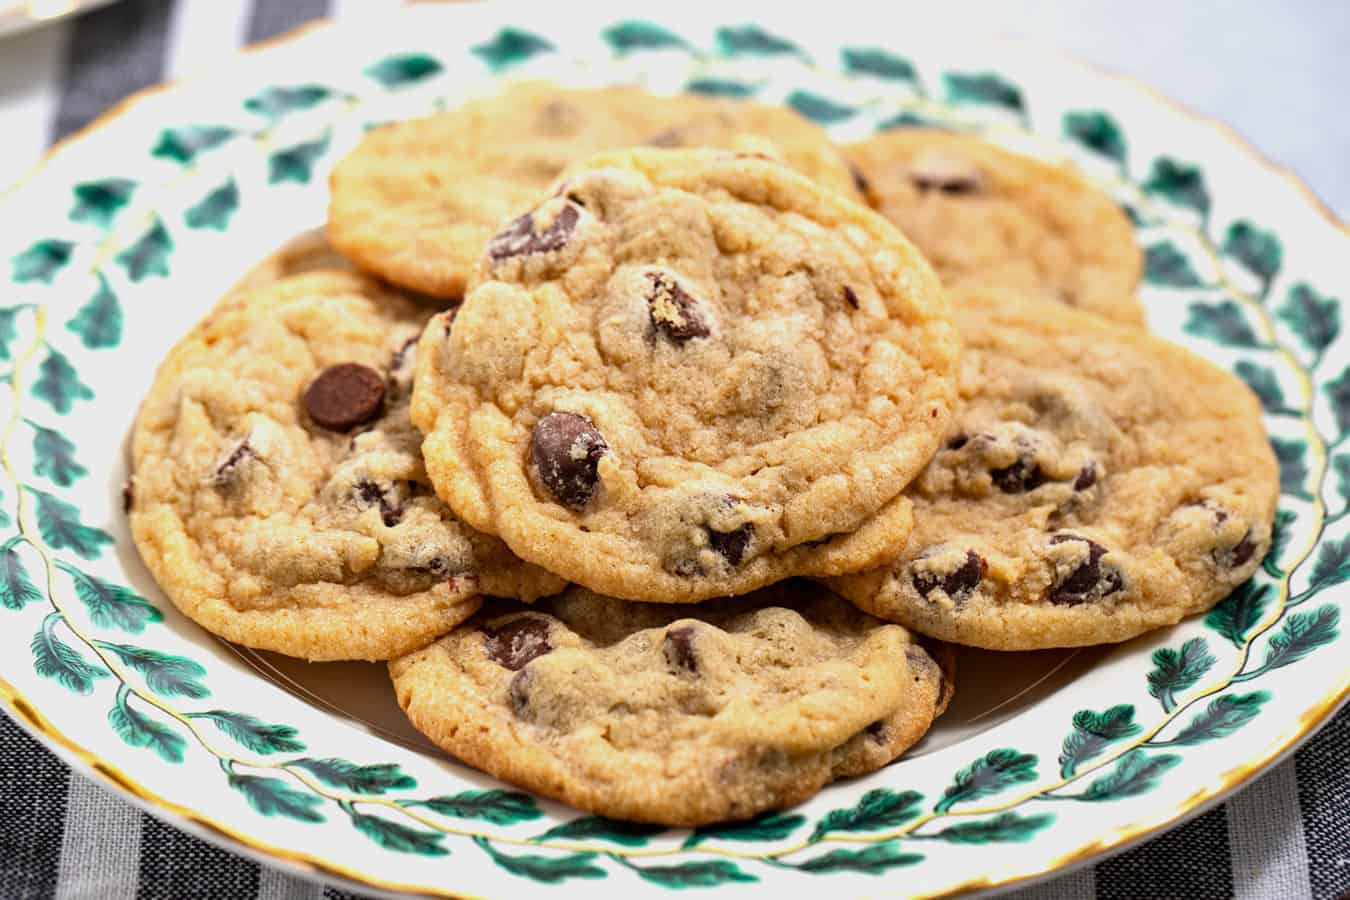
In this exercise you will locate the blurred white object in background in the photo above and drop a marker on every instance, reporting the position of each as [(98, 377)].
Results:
[(25, 14)]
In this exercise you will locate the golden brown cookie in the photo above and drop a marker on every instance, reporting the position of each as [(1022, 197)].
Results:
[(988, 217), (1096, 483), (417, 200), (278, 493), (687, 374), (676, 715)]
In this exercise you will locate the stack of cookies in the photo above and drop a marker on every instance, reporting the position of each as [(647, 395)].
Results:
[(660, 444)]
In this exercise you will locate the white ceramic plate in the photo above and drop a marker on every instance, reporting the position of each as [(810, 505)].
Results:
[(127, 235)]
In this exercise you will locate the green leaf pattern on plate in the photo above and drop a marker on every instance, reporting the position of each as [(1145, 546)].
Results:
[(99, 321), (99, 202)]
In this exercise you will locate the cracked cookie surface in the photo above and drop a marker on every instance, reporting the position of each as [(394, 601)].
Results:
[(688, 374), (1096, 483), (278, 494), (677, 715), (417, 200), (988, 217)]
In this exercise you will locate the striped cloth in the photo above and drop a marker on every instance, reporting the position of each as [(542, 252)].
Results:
[(1287, 836)]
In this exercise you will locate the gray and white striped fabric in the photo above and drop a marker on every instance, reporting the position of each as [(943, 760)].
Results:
[(1287, 836)]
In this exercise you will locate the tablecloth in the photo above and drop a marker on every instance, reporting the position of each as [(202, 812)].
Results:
[(1273, 71)]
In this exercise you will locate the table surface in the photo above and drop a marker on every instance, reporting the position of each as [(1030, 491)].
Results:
[(1275, 73)]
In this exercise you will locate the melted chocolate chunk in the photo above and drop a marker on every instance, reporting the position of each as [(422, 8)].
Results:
[(565, 450), (731, 545), (958, 585), (227, 473), (877, 731), (369, 493), (673, 312), (668, 138), (520, 238), (401, 354), (1090, 581), (519, 692), (1239, 554), (1022, 476), (860, 181), (850, 297), (344, 396), (513, 644), (1087, 477), (679, 648), (128, 496), (957, 441), (947, 176)]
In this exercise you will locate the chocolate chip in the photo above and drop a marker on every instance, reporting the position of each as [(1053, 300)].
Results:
[(227, 473), (948, 176), (678, 648), (344, 396), (731, 545), (668, 138), (877, 731), (1090, 581), (520, 238), (519, 691), (401, 354), (673, 311), (850, 297), (1087, 477), (1239, 554), (514, 643), (957, 441), (369, 493), (958, 585), (565, 450), (1022, 476), (860, 181), (128, 496)]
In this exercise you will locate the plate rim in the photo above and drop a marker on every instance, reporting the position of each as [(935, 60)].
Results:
[(305, 865)]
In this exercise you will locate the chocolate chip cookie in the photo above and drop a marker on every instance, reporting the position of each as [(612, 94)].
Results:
[(417, 200), (675, 715), (987, 217), (1097, 483), (689, 373), (278, 495)]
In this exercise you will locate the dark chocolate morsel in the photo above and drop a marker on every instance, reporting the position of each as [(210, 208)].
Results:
[(513, 644), (1022, 476), (227, 473), (519, 692), (1090, 581), (344, 396), (673, 311), (959, 584), (877, 731), (957, 441), (850, 297), (668, 138), (401, 354), (520, 238), (678, 648), (370, 493), (128, 495), (731, 545), (1087, 477), (1239, 554), (947, 179), (860, 181), (565, 450)]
